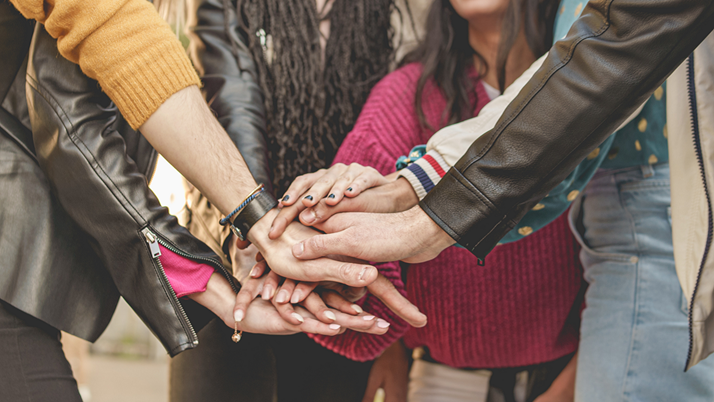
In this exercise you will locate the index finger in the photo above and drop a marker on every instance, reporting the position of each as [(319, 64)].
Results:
[(383, 289)]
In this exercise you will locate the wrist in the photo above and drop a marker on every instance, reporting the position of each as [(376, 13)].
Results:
[(258, 234), (218, 297), (404, 195), (429, 235)]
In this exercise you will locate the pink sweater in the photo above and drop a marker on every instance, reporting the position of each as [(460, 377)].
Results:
[(521, 308)]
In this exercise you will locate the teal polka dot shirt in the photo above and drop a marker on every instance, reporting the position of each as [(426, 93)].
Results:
[(643, 141)]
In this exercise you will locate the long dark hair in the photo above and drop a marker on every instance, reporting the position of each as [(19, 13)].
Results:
[(445, 53), (311, 105)]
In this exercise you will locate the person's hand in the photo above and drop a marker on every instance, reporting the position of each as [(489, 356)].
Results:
[(410, 236), (279, 256), (336, 312), (260, 317), (328, 186), (391, 373), (563, 387), (395, 196), (334, 183)]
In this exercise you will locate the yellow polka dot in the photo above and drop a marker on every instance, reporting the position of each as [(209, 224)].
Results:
[(613, 153), (642, 125), (664, 132), (538, 207), (652, 160), (594, 154), (525, 230), (638, 146), (578, 9), (562, 10), (573, 195), (658, 93)]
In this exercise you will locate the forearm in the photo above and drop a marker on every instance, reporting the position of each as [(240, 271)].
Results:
[(618, 52), (187, 134)]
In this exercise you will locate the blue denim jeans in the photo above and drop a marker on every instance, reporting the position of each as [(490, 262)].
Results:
[(634, 330)]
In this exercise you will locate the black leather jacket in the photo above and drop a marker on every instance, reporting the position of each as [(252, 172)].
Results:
[(616, 54), (219, 53), (77, 219)]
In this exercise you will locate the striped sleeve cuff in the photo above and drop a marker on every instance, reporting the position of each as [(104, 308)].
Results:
[(425, 173)]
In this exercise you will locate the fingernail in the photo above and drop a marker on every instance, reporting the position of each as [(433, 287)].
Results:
[(267, 292), (296, 297), (310, 216), (334, 326), (238, 315), (331, 196), (361, 274), (357, 308), (282, 296), (254, 272), (308, 197), (297, 317), (300, 249), (349, 189), (287, 197), (368, 317), (330, 315), (382, 324)]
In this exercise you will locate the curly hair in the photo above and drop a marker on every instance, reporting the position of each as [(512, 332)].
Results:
[(311, 102)]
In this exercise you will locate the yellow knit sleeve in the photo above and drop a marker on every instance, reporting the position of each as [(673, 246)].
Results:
[(123, 44)]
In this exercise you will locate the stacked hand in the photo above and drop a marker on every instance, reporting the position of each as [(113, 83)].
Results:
[(310, 280)]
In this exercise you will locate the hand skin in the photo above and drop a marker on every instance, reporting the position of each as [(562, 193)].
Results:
[(394, 196), (261, 316), (377, 237), (382, 288), (391, 373), (340, 312), (563, 388)]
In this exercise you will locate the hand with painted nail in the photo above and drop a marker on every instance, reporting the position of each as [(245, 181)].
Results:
[(327, 306), (259, 316), (326, 185), (395, 196)]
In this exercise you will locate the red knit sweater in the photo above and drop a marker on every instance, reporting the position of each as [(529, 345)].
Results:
[(518, 309)]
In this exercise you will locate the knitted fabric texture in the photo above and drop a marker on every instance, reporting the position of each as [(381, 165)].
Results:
[(521, 308), (123, 44)]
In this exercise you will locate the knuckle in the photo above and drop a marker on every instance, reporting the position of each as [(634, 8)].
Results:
[(346, 271), (316, 243)]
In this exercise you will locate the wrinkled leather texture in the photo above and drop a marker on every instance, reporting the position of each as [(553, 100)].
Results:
[(613, 58), (219, 52), (78, 209)]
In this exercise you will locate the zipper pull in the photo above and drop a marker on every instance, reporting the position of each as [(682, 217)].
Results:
[(153, 242)]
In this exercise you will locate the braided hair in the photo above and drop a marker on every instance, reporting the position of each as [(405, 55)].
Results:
[(312, 103)]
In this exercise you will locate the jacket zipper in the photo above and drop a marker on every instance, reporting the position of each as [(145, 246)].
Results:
[(693, 114), (153, 240)]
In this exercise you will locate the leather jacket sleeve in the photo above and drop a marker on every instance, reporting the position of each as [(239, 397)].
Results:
[(615, 55), (219, 52), (84, 156)]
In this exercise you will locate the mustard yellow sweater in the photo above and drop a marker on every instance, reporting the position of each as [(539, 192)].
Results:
[(123, 44)]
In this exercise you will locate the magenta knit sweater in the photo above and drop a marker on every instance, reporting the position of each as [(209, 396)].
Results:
[(518, 309)]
